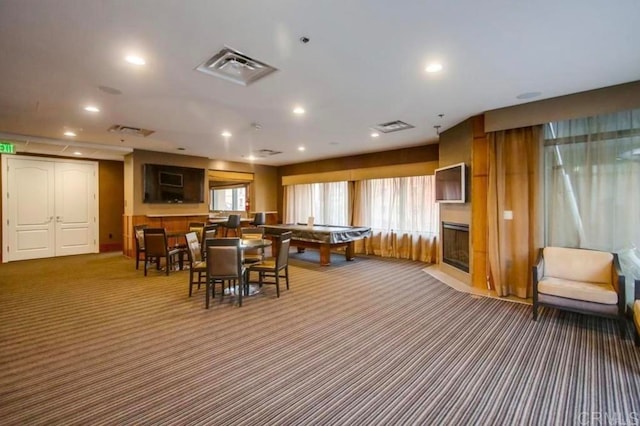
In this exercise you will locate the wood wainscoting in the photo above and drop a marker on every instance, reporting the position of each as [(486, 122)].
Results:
[(168, 222)]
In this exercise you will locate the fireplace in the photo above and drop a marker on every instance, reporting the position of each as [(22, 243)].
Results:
[(455, 245)]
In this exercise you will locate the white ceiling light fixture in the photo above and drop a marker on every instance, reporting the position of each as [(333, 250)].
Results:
[(434, 67), (70, 133), (92, 108), (375, 134), (77, 153), (135, 60), (298, 110), (226, 134), (301, 148)]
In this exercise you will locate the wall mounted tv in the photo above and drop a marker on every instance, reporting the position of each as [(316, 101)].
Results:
[(450, 184), (172, 184)]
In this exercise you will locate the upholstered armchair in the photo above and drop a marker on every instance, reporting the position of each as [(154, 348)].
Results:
[(580, 280)]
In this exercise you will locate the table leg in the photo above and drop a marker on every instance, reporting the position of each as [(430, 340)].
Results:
[(349, 252), (325, 254)]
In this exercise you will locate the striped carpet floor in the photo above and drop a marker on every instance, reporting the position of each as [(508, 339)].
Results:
[(89, 340)]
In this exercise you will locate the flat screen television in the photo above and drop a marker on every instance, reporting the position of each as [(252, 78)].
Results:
[(450, 184), (172, 184)]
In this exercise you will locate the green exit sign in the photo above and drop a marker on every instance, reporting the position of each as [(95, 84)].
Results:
[(7, 148)]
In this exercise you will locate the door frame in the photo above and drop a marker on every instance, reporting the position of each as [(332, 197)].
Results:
[(5, 204)]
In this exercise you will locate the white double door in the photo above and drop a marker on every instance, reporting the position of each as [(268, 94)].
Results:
[(50, 207)]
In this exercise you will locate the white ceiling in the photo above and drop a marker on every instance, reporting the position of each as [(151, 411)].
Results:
[(364, 65)]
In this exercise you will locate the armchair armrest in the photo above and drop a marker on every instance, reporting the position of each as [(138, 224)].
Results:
[(538, 270), (617, 280)]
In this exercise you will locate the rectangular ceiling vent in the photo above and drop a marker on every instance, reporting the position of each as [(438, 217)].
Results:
[(393, 126), (129, 131), (264, 153), (234, 66)]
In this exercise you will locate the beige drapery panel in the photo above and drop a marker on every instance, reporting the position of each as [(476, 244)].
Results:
[(398, 244), (513, 215)]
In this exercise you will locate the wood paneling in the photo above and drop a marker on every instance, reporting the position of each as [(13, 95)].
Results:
[(111, 200), (480, 182), (170, 223), (418, 154)]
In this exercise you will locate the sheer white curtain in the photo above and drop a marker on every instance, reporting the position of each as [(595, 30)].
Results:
[(326, 202), (592, 185), (402, 214)]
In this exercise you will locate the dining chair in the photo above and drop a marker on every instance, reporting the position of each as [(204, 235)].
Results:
[(233, 223), (271, 268), (138, 231), (255, 254), (198, 228), (209, 231), (259, 219), (197, 266), (224, 264), (157, 247)]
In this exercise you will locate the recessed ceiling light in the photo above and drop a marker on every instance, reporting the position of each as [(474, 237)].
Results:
[(135, 60), (92, 108), (251, 158), (434, 67), (77, 153), (301, 148), (68, 133), (528, 95), (226, 134), (375, 134), (298, 110)]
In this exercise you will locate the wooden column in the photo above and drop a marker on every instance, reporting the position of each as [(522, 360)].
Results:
[(479, 187)]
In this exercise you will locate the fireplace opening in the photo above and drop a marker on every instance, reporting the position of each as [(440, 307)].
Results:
[(455, 245)]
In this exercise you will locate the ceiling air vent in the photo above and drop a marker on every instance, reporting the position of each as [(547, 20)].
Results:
[(234, 66), (264, 153), (393, 126), (130, 131)]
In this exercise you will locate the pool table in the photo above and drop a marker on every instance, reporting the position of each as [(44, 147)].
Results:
[(322, 237)]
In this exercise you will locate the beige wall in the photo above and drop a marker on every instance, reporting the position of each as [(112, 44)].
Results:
[(584, 104), (138, 159), (262, 196), (264, 190)]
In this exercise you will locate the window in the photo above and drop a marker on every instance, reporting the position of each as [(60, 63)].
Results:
[(403, 205), (326, 202), (592, 190), (228, 198)]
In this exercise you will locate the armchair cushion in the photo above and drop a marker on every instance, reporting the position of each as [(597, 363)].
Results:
[(578, 264), (579, 290)]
